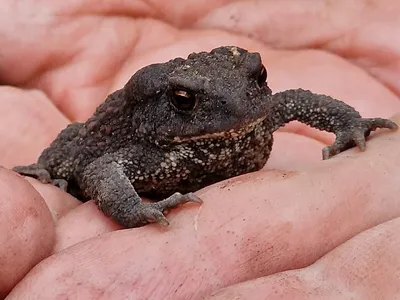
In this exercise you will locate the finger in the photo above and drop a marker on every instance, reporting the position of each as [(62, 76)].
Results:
[(59, 202), (82, 223), (284, 157), (26, 229), (284, 19), (296, 25), (366, 267), (28, 123), (251, 226)]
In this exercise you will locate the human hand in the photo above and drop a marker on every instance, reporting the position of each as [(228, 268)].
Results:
[(81, 59)]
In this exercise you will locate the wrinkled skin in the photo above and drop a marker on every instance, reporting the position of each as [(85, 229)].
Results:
[(344, 212)]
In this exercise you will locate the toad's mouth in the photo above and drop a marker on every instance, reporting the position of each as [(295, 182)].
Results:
[(231, 134)]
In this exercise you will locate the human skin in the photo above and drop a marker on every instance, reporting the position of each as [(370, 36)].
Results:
[(344, 211)]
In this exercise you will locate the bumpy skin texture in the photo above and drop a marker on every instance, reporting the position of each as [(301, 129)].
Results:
[(178, 126)]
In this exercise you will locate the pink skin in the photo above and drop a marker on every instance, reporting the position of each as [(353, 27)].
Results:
[(301, 228)]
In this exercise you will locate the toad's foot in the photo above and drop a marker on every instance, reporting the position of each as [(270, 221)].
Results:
[(325, 113), (154, 212), (355, 134), (40, 173)]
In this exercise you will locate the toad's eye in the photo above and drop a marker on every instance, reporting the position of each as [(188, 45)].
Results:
[(262, 76), (183, 100)]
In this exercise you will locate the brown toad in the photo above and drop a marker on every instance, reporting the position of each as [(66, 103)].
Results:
[(178, 126)]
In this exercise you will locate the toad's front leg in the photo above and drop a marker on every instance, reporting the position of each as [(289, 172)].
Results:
[(105, 182), (325, 113)]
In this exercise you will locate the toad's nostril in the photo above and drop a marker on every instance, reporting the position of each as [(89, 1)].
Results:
[(223, 102)]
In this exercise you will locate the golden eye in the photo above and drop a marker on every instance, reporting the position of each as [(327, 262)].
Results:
[(183, 100), (262, 76)]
